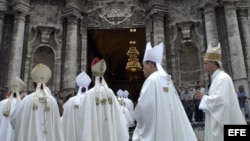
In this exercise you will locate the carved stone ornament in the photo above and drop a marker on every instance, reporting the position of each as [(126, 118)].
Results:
[(185, 29), (46, 33), (115, 12)]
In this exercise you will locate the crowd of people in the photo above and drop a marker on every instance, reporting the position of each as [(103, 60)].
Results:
[(98, 114), (191, 104)]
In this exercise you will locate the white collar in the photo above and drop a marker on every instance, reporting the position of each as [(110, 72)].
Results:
[(214, 74)]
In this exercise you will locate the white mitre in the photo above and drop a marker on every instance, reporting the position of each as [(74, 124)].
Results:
[(214, 54), (41, 75), (155, 55), (16, 86), (126, 93), (82, 80), (98, 67), (119, 93)]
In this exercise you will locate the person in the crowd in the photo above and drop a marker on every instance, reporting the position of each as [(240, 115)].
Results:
[(103, 117), (221, 104), (159, 112), (36, 117), (242, 97), (199, 114), (188, 103), (7, 106), (72, 119)]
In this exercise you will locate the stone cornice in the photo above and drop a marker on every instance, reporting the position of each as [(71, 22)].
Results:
[(154, 8), (201, 4), (245, 4), (3, 6), (22, 7), (230, 0), (73, 11)]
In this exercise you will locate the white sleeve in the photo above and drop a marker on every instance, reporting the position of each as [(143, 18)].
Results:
[(203, 104)]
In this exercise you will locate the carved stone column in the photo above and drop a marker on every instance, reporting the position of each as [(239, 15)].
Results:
[(84, 45), (3, 9), (208, 7), (73, 14), (157, 13), (244, 30), (235, 47), (17, 45), (21, 10), (70, 67), (1, 25), (158, 34)]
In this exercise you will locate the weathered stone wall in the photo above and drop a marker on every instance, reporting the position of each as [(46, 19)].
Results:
[(189, 27), (186, 42), (45, 34)]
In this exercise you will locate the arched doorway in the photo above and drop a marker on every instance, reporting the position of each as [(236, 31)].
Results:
[(112, 45)]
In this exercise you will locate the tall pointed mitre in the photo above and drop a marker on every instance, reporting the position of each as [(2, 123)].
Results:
[(214, 54), (98, 67), (41, 75), (155, 55), (16, 86), (82, 80)]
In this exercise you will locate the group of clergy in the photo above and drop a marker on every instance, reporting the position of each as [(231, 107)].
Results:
[(95, 114)]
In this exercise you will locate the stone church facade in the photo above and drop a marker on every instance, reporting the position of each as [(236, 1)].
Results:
[(54, 32)]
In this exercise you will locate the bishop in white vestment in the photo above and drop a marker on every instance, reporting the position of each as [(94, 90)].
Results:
[(159, 113), (7, 106), (221, 105), (73, 115), (103, 118), (36, 117), (130, 106)]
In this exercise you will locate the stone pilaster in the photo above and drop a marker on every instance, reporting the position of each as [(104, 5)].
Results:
[(208, 7), (70, 68), (73, 15), (21, 10), (1, 25), (3, 10), (245, 36), (157, 13), (84, 45), (158, 28), (235, 46)]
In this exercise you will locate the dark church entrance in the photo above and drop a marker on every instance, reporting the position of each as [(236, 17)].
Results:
[(112, 45)]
